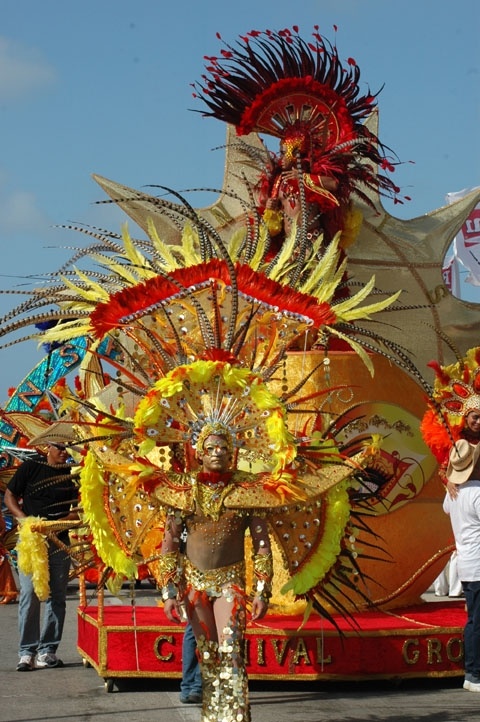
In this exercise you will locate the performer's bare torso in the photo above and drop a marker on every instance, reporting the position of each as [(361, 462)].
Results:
[(212, 544)]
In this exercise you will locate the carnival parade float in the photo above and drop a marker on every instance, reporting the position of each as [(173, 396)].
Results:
[(299, 313)]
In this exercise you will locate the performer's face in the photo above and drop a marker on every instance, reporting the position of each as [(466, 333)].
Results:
[(215, 456), (472, 421)]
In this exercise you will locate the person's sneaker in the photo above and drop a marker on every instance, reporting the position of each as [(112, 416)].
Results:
[(190, 697), (26, 663), (48, 660), (472, 685)]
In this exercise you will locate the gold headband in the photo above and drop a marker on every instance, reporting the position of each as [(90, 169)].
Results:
[(216, 429)]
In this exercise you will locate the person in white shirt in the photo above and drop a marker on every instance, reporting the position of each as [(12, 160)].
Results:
[(463, 506)]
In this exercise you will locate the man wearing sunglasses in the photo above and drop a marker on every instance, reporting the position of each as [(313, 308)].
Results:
[(43, 488)]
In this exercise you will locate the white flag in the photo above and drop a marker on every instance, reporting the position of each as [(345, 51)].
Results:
[(466, 245)]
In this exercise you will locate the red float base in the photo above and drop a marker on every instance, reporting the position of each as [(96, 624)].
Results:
[(422, 641)]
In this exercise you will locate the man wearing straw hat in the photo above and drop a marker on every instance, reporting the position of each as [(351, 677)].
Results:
[(451, 428), (463, 471), (44, 489)]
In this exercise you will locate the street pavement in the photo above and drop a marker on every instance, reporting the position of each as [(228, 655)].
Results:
[(75, 693)]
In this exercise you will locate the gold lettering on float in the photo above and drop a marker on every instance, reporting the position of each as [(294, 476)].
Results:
[(434, 649), (69, 355), (301, 652), (157, 648), (260, 651), (320, 652), (279, 649), (410, 655), (246, 650), (111, 346), (451, 656), (31, 392), (437, 294)]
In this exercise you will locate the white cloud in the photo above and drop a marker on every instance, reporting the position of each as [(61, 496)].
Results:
[(19, 212), (22, 70)]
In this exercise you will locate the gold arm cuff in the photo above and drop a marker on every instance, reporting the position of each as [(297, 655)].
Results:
[(168, 566), (263, 573)]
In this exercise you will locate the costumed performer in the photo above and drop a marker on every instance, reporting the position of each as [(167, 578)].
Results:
[(210, 580), (454, 412), (275, 83), (241, 473)]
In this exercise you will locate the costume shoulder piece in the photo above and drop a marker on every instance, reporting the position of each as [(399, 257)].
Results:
[(264, 492), (175, 491)]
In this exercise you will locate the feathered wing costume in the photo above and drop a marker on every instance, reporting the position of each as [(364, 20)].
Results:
[(191, 340), (197, 333)]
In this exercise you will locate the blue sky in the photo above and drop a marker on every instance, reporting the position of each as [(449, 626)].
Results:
[(103, 86)]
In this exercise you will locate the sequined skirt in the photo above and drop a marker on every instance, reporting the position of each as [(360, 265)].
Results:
[(214, 581)]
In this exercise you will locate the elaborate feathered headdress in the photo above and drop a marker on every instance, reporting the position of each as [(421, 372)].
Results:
[(195, 398), (278, 84), (456, 392), (457, 386)]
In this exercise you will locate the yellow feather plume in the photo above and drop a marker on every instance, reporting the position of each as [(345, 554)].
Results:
[(169, 262), (356, 347), (236, 243), (136, 258), (284, 256), (190, 246), (91, 491), (32, 550), (120, 271), (91, 292)]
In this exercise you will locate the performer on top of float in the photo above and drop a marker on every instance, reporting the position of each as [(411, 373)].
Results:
[(280, 85)]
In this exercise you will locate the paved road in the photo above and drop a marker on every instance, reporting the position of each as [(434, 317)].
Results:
[(77, 694)]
